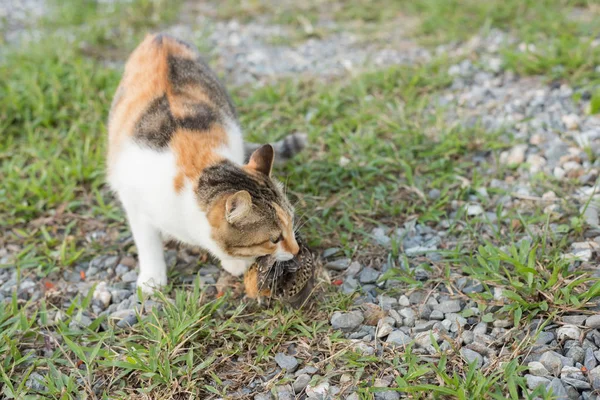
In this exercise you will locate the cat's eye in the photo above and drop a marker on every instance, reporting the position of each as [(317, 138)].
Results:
[(277, 239)]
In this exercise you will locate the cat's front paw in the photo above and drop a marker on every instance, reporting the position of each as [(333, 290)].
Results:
[(151, 283), (235, 267)]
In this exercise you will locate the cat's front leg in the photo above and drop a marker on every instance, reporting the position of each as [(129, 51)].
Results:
[(153, 269), (235, 267)]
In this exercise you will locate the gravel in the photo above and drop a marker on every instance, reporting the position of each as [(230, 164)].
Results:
[(301, 382), (289, 363), (347, 321)]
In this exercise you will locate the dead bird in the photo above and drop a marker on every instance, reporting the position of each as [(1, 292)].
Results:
[(289, 281)]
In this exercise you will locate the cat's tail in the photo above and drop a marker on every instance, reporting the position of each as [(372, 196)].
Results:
[(285, 148)]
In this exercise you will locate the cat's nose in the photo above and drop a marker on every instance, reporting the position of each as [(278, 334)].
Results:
[(294, 248)]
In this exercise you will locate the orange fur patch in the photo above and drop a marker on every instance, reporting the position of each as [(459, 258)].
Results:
[(195, 151)]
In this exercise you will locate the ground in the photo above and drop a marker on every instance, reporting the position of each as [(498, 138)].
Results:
[(449, 188)]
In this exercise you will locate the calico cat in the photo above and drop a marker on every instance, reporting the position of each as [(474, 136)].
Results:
[(176, 160)]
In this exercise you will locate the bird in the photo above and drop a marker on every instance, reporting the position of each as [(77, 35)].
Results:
[(291, 281)]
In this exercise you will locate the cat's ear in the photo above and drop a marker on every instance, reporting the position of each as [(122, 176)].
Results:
[(238, 206), (262, 159)]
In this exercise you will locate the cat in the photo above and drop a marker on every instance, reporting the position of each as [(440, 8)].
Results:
[(176, 161)]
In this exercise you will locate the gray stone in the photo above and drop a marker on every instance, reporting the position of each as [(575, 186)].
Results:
[(574, 319), (263, 396), (577, 384), (318, 391), (397, 317), (35, 382), (558, 390), (448, 306), (424, 340), (353, 269), (387, 302), (472, 356), (571, 372), (403, 301), (80, 321), (130, 276), (590, 361), (594, 377), (436, 315), (347, 321), (399, 338), (331, 251), (301, 382), (535, 381), (380, 237), (121, 269), (368, 275), (537, 368), (353, 396), (284, 392), (568, 332), (364, 349), (480, 328), (286, 362), (576, 353), (409, 316), (554, 362), (387, 395), (339, 265), (102, 296), (350, 285), (593, 321), (309, 369), (545, 337), (383, 330), (424, 326)]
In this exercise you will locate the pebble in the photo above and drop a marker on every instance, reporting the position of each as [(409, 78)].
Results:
[(590, 361), (35, 382), (424, 340), (554, 362), (387, 395), (386, 302), (301, 382), (318, 391), (436, 315), (545, 337), (403, 301), (284, 392), (368, 275), (472, 356), (383, 330), (474, 209), (571, 121), (101, 295), (568, 332), (347, 321), (594, 377), (537, 368), (593, 322), (80, 321), (558, 389), (130, 276), (339, 265), (535, 381), (399, 338), (289, 363), (409, 316), (448, 306)]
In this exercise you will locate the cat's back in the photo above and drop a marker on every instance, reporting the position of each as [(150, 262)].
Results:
[(169, 99)]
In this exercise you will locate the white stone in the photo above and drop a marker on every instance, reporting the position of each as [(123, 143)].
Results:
[(571, 121)]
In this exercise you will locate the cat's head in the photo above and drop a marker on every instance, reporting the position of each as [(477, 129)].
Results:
[(250, 214)]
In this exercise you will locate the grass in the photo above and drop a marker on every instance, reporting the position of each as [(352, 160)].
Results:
[(379, 146)]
